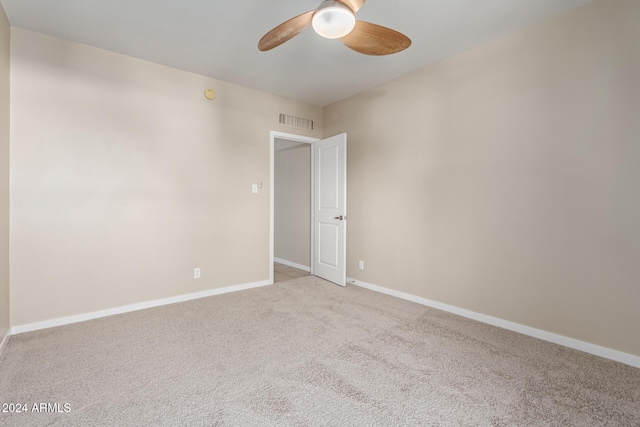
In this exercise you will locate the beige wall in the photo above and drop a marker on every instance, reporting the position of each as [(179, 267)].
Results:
[(506, 180), (4, 173), (124, 178), (292, 207)]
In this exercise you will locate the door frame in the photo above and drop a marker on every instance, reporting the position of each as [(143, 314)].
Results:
[(273, 135)]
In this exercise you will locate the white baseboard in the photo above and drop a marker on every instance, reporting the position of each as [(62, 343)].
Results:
[(597, 350), (292, 264), (5, 341), (133, 307)]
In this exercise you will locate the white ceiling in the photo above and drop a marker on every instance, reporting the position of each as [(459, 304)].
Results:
[(219, 38)]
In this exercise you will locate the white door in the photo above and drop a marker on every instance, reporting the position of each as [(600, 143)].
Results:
[(330, 208)]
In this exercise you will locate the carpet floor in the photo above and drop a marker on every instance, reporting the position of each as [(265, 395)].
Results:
[(306, 352)]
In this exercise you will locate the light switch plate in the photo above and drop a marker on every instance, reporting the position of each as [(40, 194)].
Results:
[(254, 188)]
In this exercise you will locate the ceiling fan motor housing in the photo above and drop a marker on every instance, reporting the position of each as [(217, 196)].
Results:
[(333, 20)]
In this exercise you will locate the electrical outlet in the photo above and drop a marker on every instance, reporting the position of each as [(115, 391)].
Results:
[(254, 188), (361, 265), (196, 273)]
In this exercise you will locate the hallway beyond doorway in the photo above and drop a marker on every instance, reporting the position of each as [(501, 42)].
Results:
[(282, 273)]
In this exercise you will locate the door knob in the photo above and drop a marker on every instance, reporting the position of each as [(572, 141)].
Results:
[(341, 217)]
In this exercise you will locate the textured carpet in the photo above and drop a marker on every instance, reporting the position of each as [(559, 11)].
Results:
[(306, 352)]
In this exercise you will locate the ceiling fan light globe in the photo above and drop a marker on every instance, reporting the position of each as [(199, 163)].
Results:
[(333, 20)]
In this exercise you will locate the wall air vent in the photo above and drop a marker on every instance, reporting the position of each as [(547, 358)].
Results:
[(295, 122)]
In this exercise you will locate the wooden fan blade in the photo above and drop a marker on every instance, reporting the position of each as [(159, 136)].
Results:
[(354, 5), (373, 39), (285, 31)]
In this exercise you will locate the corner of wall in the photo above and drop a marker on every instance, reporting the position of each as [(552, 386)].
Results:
[(5, 45)]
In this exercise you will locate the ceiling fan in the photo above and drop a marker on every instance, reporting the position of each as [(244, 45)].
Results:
[(335, 19)]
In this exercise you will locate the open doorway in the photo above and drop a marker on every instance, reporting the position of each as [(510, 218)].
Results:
[(325, 221), (292, 210), (291, 206)]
